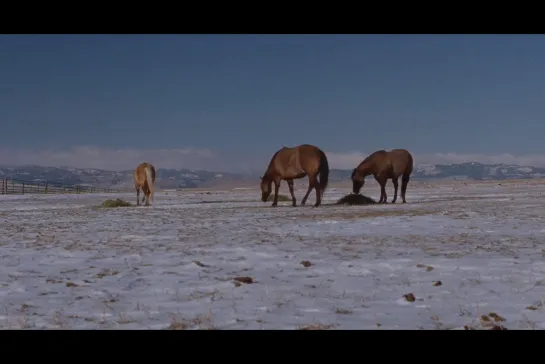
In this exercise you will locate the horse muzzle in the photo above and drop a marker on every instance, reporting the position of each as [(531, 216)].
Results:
[(356, 187)]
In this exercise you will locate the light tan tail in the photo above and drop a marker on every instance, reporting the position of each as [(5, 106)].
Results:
[(151, 187)]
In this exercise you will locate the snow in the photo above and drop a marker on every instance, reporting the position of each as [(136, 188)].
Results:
[(67, 264), (428, 169)]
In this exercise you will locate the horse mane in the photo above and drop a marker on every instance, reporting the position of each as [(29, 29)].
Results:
[(271, 163), (367, 160), (372, 155)]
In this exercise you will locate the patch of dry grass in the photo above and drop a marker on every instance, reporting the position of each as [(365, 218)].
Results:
[(281, 198), (116, 203), (202, 322), (355, 199), (316, 326)]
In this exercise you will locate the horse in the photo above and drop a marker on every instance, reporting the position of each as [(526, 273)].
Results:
[(384, 165), (294, 163), (144, 178)]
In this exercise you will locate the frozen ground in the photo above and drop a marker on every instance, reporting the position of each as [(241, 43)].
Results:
[(64, 263)]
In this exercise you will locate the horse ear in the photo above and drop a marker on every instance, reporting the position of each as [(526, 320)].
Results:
[(261, 178)]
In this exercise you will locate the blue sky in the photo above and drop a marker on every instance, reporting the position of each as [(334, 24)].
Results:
[(230, 101)]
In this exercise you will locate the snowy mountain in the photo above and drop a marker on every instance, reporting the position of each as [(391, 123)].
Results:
[(185, 178)]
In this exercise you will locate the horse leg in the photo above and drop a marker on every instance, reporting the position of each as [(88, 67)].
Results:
[(276, 188), (137, 196), (290, 185), (404, 183), (395, 182), (318, 192), (383, 196), (310, 187), (146, 191)]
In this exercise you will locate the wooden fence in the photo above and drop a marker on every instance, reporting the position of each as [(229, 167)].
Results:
[(9, 186)]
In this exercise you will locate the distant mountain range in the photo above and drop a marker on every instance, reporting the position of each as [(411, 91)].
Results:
[(185, 178)]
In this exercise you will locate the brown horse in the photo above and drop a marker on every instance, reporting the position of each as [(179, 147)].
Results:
[(384, 165), (144, 178), (294, 163)]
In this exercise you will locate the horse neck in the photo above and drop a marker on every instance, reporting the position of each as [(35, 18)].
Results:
[(366, 168), (269, 174)]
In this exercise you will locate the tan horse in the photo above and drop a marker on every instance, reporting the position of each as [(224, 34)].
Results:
[(144, 178), (384, 165), (294, 163)]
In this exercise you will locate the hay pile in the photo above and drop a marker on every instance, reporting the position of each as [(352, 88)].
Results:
[(116, 203), (281, 198), (355, 199)]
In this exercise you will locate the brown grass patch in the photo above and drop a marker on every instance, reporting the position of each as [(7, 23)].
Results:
[(429, 268), (316, 326), (245, 280), (199, 263), (106, 273), (281, 198), (355, 199), (116, 203), (342, 311), (409, 297), (203, 322)]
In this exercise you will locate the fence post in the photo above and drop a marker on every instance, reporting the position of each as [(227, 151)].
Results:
[(45, 190), (23, 188)]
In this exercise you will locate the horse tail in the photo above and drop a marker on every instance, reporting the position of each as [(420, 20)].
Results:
[(409, 168), (149, 179), (324, 172)]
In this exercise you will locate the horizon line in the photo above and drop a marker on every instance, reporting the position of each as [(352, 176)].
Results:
[(251, 169)]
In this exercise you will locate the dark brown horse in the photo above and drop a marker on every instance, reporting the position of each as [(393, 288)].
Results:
[(294, 163), (384, 165), (144, 178)]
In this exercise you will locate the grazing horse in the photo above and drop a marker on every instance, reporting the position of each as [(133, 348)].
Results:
[(294, 163), (144, 178), (384, 165)]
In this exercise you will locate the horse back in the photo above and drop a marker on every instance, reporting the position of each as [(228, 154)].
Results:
[(296, 162), (140, 173), (401, 161), (287, 162)]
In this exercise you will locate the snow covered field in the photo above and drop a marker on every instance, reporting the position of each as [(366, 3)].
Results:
[(463, 255)]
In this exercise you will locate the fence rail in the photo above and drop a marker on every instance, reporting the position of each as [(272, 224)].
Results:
[(9, 186)]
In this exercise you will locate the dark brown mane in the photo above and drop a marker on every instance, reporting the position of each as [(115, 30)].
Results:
[(271, 163), (373, 155)]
